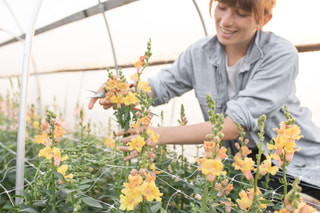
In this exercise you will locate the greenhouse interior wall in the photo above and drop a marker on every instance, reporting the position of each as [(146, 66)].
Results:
[(70, 61)]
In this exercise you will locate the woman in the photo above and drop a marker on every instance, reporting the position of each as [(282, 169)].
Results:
[(248, 72)]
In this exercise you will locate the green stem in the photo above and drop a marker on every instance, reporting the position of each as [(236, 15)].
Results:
[(35, 180), (53, 186), (205, 193), (213, 188), (52, 173), (285, 183)]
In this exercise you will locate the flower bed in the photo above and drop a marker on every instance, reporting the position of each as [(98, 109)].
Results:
[(83, 169)]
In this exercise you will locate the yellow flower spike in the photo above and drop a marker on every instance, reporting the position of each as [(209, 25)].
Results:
[(111, 84), (138, 64), (146, 121), (151, 191), (244, 202), (35, 124), (110, 142), (246, 199), (62, 169), (137, 124), (144, 85), (128, 203), (41, 139), (136, 144), (123, 87), (154, 138), (209, 146), (293, 132), (222, 153), (116, 99), (212, 167), (266, 167), (134, 77), (149, 177), (46, 152), (64, 158), (68, 177), (153, 168), (59, 131), (245, 165), (130, 99)]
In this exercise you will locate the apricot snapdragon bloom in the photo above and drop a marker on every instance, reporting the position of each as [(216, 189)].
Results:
[(43, 139), (211, 167), (46, 152), (138, 189), (284, 145), (244, 164), (151, 191), (56, 154), (110, 142), (132, 193), (212, 149), (130, 99), (266, 167), (144, 86), (246, 199), (58, 133), (154, 137), (62, 170)]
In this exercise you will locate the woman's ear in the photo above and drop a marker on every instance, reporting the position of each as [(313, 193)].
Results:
[(266, 19)]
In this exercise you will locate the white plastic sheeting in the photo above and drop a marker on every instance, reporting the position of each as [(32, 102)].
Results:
[(171, 24)]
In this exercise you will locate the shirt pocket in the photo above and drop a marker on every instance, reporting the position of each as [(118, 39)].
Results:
[(220, 104)]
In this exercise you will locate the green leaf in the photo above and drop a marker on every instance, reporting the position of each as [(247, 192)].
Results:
[(83, 186), (91, 202), (67, 191), (58, 175), (30, 210), (156, 207), (86, 181)]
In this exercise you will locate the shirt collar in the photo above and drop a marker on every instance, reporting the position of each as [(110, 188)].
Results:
[(215, 51)]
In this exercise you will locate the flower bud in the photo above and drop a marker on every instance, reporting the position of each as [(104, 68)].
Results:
[(133, 172)]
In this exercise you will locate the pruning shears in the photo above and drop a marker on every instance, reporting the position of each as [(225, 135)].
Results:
[(102, 94), (98, 94)]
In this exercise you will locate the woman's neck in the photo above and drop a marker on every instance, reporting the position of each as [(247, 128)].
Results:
[(234, 54)]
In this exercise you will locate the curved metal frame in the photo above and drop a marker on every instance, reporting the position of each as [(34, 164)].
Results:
[(23, 103)]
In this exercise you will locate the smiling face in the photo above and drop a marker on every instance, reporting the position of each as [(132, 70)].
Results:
[(235, 26)]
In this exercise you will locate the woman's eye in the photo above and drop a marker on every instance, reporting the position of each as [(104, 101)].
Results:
[(242, 13), (222, 6)]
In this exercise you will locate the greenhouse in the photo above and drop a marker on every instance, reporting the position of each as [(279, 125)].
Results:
[(147, 106)]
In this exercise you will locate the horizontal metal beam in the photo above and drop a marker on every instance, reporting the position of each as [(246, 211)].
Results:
[(90, 69), (308, 47), (108, 5)]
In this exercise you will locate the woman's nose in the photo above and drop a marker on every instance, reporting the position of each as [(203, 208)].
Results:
[(227, 18)]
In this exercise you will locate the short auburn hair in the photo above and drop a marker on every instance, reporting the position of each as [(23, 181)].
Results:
[(260, 8)]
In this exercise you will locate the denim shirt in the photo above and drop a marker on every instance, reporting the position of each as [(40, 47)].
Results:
[(266, 82)]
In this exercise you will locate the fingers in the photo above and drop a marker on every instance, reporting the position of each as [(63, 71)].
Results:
[(130, 131), (131, 156), (124, 148), (94, 100)]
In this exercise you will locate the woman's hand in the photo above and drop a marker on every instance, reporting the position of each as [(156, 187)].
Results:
[(105, 103), (129, 135)]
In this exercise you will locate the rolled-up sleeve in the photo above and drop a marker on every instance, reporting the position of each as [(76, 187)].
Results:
[(174, 80)]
